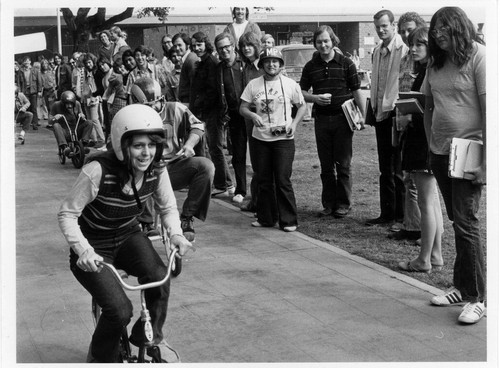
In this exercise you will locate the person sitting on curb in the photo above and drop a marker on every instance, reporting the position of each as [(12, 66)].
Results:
[(183, 148), (23, 116)]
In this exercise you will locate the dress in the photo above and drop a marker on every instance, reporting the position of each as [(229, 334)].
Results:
[(457, 113), (273, 101), (101, 212)]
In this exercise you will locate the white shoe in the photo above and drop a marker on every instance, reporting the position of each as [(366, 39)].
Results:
[(238, 198), (472, 312), (289, 229), (231, 189), (451, 297)]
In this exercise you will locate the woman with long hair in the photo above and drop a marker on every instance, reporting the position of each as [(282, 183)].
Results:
[(99, 221), (455, 107), (415, 161)]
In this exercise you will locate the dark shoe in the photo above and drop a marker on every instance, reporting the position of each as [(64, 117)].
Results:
[(379, 221), (248, 207), (187, 226), (327, 211), (49, 126), (404, 234), (21, 139), (35, 127), (341, 212), (88, 143), (150, 230)]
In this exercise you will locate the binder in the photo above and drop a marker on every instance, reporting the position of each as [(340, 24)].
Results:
[(352, 114), (465, 154)]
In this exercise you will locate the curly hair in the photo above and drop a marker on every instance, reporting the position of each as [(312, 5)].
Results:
[(462, 35), (411, 17)]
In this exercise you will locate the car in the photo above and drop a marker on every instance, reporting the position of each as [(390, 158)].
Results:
[(295, 57)]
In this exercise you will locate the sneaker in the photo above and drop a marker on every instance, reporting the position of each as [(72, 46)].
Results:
[(472, 312), (289, 229), (238, 198), (187, 226), (150, 230), (231, 189), (451, 297), (167, 353)]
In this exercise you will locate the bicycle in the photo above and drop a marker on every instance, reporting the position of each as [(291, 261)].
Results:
[(75, 150), (125, 350)]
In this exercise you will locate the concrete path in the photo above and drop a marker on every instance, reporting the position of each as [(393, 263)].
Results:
[(246, 295)]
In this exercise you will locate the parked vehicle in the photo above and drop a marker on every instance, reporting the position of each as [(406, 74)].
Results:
[(295, 57)]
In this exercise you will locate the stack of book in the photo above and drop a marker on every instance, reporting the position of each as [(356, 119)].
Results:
[(410, 103), (353, 114)]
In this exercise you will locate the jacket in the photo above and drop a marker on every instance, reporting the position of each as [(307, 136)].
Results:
[(221, 88), (203, 95), (392, 86), (33, 84)]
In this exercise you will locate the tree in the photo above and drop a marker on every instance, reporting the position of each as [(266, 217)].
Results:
[(82, 26)]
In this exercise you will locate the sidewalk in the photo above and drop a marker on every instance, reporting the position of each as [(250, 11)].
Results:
[(246, 295)]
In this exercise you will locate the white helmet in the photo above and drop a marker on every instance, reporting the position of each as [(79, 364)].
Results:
[(131, 120)]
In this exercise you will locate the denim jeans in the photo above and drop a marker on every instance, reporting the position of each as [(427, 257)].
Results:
[(92, 114), (254, 183), (195, 173), (33, 98), (25, 118), (462, 199), (62, 135), (238, 133), (137, 257), (334, 145), (391, 175), (412, 214), (215, 139), (276, 200)]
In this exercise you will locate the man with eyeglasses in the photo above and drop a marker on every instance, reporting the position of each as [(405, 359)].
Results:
[(386, 59), (334, 80), (230, 83)]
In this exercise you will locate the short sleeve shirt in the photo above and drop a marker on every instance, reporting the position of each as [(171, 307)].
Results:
[(273, 101), (456, 91)]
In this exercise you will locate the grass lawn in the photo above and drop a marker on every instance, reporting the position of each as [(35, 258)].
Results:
[(350, 233)]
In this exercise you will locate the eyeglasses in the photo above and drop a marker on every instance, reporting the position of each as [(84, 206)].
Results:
[(436, 32), (224, 48)]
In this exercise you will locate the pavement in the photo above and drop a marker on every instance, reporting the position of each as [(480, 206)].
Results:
[(247, 295)]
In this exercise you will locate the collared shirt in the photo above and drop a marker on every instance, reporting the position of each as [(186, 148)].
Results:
[(337, 76)]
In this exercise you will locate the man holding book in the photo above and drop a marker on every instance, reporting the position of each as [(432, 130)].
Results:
[(334, 80)]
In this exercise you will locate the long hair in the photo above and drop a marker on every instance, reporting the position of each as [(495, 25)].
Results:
[(247, 13), (249, 39), (184, 37), (419, 35), (202, 37), (462, 35)]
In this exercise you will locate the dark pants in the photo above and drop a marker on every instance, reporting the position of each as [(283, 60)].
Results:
[(276, 201), (25, 118), (392, 189), (254, 183), (462, 199), (195, 173), (238, 133), (334, 145), (137, 257), (33, 98), (62, 134), (215, 139)]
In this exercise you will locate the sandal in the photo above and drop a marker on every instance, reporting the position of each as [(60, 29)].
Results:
[(437, 267), (408, 267)]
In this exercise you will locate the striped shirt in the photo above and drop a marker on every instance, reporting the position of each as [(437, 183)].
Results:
[(337, 76)]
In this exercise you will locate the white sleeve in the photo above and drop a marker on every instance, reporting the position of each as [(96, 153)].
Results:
[(82, 193), (166, 205)]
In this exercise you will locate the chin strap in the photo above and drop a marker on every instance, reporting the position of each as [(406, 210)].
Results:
[(136, 194)]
